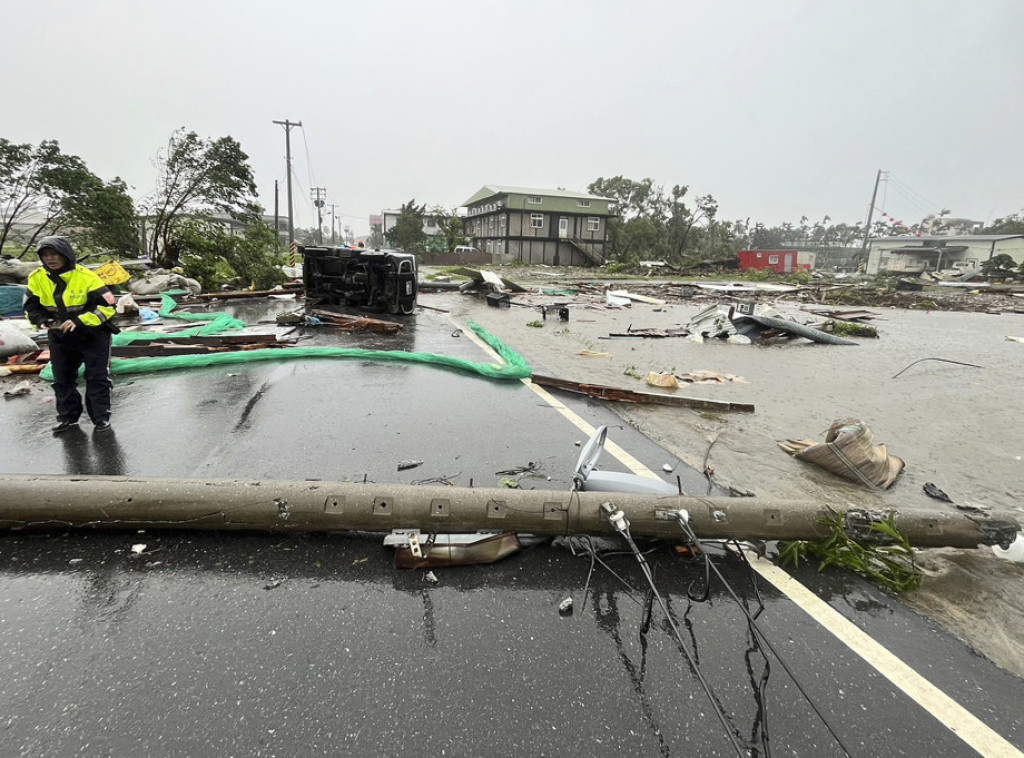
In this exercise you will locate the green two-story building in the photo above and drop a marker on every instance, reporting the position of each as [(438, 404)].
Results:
[(535, 226)]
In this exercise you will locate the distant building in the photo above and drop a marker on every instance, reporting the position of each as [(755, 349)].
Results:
[(780, 261), (914, 255), (537, 226)]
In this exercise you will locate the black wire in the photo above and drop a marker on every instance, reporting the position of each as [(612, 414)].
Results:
[(716, 706), (764, 638), (944, 360)]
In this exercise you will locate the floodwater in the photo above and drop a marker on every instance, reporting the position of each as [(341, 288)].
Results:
[(956, 426)]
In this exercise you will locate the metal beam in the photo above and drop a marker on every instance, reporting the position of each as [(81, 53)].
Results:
[(47, 502)]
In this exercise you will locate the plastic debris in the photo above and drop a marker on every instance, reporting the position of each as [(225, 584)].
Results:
[(139, 548), (431, 577), (21, 388), (403, 465), (565, 607), (663, 379)]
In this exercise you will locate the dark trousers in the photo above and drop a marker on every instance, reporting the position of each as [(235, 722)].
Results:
[(68, 352)]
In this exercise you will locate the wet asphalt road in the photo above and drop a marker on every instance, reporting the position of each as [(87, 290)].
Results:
[(271, 645)]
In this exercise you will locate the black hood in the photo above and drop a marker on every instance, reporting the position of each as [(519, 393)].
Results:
[(61, 246)]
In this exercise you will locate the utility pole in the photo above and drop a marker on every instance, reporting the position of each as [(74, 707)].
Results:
[(334, 238), (318, 194), (871, 210), (288, 163), (277, 218)]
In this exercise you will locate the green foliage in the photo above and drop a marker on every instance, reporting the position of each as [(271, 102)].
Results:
[(654, 225), (376, 239), (198, 178), (214, 257), (45, 191), (451, 227), (998, 265), (846, 329), (888, 562), (407, 234), (535, 324)]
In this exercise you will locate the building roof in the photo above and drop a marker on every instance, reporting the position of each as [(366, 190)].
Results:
[(489, 190), (924, 239)]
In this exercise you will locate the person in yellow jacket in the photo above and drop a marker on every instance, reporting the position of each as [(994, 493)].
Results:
[(76, 307)]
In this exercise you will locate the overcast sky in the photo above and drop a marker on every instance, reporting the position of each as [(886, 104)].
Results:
[(778, 109)]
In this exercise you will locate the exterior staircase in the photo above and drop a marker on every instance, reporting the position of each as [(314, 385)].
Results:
[(588, 251)]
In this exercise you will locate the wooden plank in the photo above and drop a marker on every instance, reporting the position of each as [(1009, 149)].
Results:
[(618, 394)]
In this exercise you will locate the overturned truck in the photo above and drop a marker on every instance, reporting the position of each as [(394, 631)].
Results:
[(383, 281)]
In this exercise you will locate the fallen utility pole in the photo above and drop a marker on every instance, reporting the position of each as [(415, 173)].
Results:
[(59, 502), (621, 395)]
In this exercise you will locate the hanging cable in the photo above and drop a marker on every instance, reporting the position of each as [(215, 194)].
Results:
[(618, 521), (683, 520)]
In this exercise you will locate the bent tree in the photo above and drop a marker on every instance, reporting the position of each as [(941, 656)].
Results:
[(198, 179), (46, 191)]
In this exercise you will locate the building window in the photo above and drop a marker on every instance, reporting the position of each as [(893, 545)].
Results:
[(431, 223), (535, 200), (536, 220), (583, 203), (772, 260), (593, 223), (501, 224)]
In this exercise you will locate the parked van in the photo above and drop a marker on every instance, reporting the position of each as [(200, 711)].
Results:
[(465, 250)]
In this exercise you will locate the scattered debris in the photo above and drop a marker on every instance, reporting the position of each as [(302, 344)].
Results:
[(21, 388), (710, 377), (431, 577), (139, 548), (630, 297), (353, 323), (619, 394), (849, 451), (594, 354), (1015, 339), (273, 584), (617, 301), (662, 379), (403, 465), (565, 607), (934, 492), (529, 468)]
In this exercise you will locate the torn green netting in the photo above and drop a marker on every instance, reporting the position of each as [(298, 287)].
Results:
[(514, 366), (216, 323)]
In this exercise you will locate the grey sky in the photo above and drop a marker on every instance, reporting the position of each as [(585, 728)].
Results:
[(778, 109)]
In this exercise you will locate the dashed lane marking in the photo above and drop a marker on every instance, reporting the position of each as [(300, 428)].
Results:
[(610, 447)]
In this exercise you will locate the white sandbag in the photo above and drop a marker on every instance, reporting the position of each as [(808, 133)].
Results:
[(13, 341), (154, 284)]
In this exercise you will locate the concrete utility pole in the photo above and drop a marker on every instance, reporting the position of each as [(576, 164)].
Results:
[(288, 163), (31, 501), (871, 211), (277, 217), (334, 236), (318, 194)]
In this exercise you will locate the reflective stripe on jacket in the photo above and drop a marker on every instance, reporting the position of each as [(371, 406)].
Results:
[(86, 299)]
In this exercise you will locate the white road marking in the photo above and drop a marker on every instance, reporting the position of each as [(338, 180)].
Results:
[(965, 725), (610, 447), (947, 711)]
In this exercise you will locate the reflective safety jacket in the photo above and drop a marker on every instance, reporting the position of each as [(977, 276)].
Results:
[(78, 294)]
